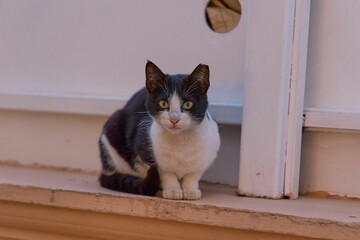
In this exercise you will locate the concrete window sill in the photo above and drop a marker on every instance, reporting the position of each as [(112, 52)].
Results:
[(219, 206)]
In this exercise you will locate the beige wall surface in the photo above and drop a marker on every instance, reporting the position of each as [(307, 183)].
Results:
[(330, 163)]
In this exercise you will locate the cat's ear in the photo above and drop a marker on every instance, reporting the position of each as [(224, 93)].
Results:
[(200, 76), (153, 76)]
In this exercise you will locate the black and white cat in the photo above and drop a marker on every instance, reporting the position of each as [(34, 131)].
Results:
[(164, 137)]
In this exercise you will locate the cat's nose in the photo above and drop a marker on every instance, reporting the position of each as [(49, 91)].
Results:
[(174, 121), (174, 117)]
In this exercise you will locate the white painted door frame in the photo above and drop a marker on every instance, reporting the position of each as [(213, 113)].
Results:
[(273, 98)]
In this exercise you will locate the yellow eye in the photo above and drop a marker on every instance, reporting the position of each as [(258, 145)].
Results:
[(187, 105), (164, 104)]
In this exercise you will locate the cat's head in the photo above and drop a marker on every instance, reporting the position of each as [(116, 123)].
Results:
[(177, 102)]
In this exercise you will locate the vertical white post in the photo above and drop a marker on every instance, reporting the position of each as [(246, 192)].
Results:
[(266, 98), (296, 99)]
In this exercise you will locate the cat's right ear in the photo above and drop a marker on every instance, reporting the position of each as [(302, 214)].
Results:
[(153, 76)]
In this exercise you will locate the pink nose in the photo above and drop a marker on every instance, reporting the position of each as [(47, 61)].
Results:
[(174, 121), (174, 117)]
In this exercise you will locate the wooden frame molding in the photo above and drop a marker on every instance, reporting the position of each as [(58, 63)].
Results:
[(28, 221), (332, 120)]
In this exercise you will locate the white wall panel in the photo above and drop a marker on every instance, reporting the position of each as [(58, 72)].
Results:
[(95, 47), (330, 151), (333, 76)]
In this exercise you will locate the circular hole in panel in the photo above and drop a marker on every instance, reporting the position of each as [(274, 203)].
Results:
[(223, 16)]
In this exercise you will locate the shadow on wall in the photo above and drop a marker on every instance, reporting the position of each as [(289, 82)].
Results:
[(225, 169)]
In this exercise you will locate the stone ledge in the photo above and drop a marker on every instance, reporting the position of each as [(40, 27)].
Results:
[(219, 206)]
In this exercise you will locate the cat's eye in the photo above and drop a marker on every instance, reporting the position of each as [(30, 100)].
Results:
[(187, 105), (163, 104)]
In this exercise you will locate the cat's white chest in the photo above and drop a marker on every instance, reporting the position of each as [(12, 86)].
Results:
[(186, 152)]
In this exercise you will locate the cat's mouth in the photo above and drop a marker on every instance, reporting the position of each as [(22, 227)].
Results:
[(174, 128)]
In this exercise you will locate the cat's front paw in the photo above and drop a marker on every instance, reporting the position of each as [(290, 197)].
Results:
[(191, 194), (172, 193)]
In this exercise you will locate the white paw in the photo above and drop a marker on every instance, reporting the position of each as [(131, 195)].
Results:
[(192, 194), (172, 193)]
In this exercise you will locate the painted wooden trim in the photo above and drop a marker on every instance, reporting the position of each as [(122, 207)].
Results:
[(95, 105), (60, 103), (332, 119), (296, 98), (266, 98)]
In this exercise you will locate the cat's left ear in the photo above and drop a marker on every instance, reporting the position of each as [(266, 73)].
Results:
[(200, 76), (153, 76)]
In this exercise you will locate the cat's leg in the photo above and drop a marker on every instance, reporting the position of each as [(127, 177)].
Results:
[(170, 186), (190, 186)]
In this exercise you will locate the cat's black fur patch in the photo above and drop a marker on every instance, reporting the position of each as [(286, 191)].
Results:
[(131, 184), (127, 130), (130, 141), (106, 161)]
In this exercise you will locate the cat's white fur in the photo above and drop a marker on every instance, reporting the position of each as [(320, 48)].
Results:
[(183, 151)]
